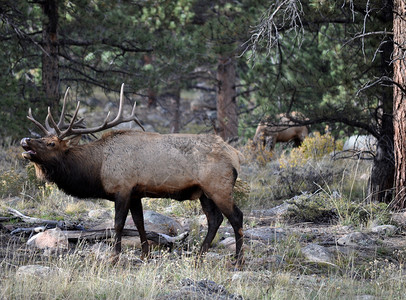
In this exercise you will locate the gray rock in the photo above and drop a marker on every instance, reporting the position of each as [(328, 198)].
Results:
[(100, 214), (385, 230), (355, 239), (153, 221), (317, 253), (399, 218), (206, 289), (37, 271), (228, 242), (265, 234), (275, 211), (161, 223), (366, 297)]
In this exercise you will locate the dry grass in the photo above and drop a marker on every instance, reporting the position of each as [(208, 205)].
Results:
[(274, 271), (74, 276)]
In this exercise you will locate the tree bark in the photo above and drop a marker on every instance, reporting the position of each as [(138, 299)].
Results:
[(227, 117), (383, 169), (399, 100), (50, 66), (175, 103)]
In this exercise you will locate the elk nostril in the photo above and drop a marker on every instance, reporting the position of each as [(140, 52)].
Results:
[(25, 140)]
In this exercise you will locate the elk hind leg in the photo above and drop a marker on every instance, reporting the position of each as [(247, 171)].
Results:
[(235, 217), (138, 217), (214, 220)]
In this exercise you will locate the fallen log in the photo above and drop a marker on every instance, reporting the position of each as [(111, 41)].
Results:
[(47, 223), (158, 238), (76, 233), (32, 220), (8, 219)]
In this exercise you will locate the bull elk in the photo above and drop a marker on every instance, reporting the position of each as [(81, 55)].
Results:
[(268, 133), (126, 165)]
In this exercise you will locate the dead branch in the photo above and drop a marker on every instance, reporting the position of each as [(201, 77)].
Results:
[(8, 219), (76, 235), (31, 220)]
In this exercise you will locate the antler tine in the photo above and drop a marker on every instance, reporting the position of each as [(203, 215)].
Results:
[(53, 123), (120, 107), (38, 124), (61, 121), (106, 124), (133, 117), (70, 129), (47, 126), (119, 116)]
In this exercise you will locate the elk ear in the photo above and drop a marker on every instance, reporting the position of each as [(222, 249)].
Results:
[(74, 141)]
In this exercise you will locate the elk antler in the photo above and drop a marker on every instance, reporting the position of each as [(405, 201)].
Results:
[(76, 127)]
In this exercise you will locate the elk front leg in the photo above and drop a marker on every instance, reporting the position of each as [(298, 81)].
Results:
[(121, 211), (138, 217)]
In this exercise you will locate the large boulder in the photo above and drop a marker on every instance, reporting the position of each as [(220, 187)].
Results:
[(49, 239)]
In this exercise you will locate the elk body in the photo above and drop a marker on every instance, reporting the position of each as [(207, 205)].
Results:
[(268, 133), (126, 165)]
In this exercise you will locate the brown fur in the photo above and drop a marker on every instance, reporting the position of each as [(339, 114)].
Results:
[(125, 166), (268, 134)]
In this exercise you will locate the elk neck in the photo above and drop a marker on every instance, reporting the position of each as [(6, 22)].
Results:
[(77, 171)]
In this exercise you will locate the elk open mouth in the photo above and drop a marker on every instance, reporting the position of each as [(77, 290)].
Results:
[(29, 153)]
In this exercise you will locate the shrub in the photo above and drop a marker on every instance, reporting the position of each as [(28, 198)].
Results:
[(257, 153), (313, 208), (323, 207), (314, 147), (11, 183)]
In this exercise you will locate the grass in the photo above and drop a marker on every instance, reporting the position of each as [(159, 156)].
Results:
[(78, 277), (274, 271)]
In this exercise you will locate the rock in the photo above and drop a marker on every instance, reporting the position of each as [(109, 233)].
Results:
[(399, 218), (213, 256), (267, 262), (317, 253), (100, 214), (162, 224), (51, 239), (203, 289), (188, 224), (153, 221), (275, 211), (228, 242), (265, 234), (37, 270), (355, 239), (361, 143), (387, 230), (366, 297)]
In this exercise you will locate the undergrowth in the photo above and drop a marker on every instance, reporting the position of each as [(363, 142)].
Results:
[(319, 189)]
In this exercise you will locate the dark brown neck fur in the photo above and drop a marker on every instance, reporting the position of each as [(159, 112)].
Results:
[(77, 171)]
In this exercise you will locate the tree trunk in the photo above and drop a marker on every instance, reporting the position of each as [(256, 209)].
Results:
[(50, 67), (148, 60), (383, 170), (175, 103), (227, 117), (399, 102)]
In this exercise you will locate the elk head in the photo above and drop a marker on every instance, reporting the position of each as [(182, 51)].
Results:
[(60, 137)]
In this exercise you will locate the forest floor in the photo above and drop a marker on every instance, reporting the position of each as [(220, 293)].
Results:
[(277, 264)]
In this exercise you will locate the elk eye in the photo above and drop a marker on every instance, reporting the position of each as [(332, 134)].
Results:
[(51, 144)]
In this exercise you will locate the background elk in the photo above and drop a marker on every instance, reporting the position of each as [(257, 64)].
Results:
[(126, 165), (283, 130)]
